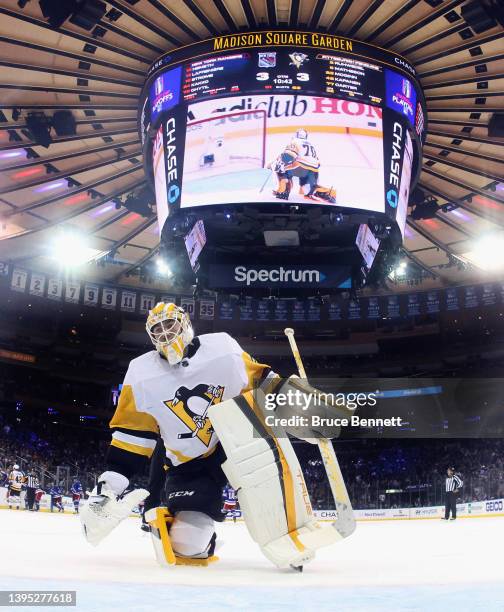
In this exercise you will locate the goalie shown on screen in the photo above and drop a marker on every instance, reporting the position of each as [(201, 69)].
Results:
[(294, 148), (299, 160)]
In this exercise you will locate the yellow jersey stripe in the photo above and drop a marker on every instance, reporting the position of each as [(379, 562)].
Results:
[(127, 416), (132, 448), (254, 371)]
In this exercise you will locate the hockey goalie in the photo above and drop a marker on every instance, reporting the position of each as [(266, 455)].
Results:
[(204, 398), (215, 152), (299, 160)]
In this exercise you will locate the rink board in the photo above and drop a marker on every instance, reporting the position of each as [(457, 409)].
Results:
[(479, 509)]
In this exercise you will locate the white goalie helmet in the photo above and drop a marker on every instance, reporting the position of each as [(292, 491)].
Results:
[(170, 330), (302, 134), (15, 466)]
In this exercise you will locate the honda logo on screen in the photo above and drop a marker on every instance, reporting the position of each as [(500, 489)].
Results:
[(279, 276)]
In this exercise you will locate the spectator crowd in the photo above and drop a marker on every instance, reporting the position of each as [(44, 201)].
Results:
[(380, 473)]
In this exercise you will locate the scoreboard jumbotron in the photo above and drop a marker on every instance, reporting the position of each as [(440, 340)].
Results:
[(275, 124)]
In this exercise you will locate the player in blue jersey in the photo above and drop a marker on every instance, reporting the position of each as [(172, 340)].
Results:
[(56, 498), (231, 507), (77, 491)]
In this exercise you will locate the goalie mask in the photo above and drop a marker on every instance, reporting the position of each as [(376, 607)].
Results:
[(170, 330)]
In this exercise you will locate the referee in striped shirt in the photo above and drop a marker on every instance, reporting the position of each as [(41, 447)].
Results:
[(453, 485), (32, 484)]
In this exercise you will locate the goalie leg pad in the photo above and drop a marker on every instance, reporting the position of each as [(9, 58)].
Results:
[(264, 469), (160, 520), (191, 534), (186, 539)]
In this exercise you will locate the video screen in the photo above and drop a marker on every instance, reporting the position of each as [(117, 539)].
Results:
[(165, 92), (400, 95), (254, 72), (194, 243), (158, 166), (284, 148), (368, 244), (404, 185)]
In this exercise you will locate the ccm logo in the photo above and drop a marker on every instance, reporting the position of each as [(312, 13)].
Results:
[(180, 494), (495, 506)]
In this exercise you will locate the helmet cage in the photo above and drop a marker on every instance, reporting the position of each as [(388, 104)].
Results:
[(170, 331)]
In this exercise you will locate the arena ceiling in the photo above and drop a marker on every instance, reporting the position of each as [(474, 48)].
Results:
[(98, 75)]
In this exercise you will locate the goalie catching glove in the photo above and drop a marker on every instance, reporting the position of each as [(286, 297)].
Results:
[(108, 505)]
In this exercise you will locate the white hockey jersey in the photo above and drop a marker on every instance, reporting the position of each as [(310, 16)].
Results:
[(303, 154), (16, 479), (173, 400)]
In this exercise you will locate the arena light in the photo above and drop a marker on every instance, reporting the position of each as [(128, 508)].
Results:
[(72, 249), (29, 172), (10, 154), (162, 267), (487, 253), (399, 272), (130, 219), (80, 197), (101, 211), (461, 215), (50, 187)]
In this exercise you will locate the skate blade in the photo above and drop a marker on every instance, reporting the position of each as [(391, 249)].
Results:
[(195, 562)]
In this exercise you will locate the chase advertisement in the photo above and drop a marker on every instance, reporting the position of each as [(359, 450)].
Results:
[(398, 155)]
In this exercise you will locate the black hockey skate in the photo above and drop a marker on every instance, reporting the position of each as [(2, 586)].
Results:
[(327, 198), (281, 195)]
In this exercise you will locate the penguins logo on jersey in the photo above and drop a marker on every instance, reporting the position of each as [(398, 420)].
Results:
[(191, 407)]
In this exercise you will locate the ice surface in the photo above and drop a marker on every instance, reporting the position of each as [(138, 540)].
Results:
[(391, 565)]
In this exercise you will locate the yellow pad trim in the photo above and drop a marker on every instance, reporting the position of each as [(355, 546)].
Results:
[(159, 526), (197, 562)]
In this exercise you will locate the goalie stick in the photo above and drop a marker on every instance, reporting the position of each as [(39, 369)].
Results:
[(266, 181), (345, 523)]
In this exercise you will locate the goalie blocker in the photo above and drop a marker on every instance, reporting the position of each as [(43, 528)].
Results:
[(262, 466)]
